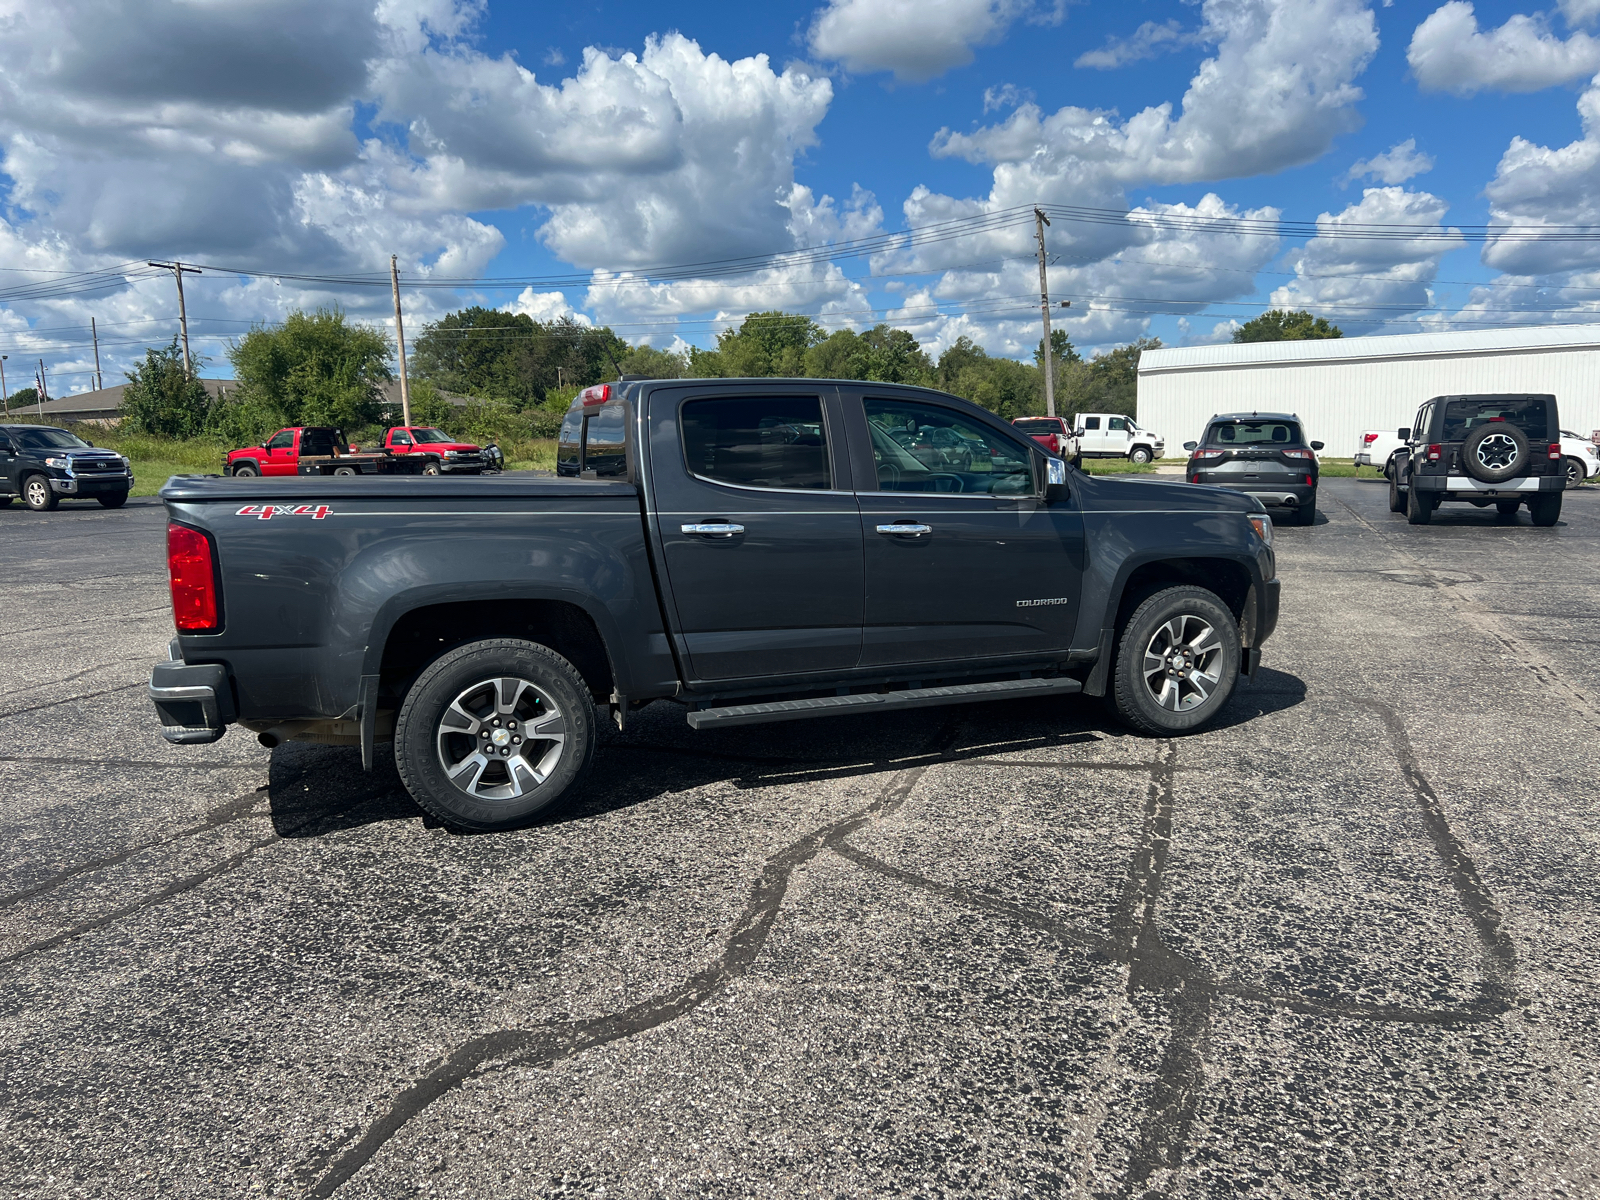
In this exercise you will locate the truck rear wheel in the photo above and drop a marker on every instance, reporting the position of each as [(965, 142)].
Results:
[(1177, 661), (1397, 494), (494, 732), (1419, 506), (1545, 508)]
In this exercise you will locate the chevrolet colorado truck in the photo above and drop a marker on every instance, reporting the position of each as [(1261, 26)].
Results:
[(753, 550)]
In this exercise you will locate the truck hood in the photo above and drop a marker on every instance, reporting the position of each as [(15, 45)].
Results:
[(465, 446), (1111, 493)]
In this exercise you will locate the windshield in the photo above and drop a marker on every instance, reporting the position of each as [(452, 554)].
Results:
[(1527, 413), (431, 436), (1229, 434), (45, 438)]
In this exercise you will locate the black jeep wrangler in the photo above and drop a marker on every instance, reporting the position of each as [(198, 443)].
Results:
[(1503, 450)]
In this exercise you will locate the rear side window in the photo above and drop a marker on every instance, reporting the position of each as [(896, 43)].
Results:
[(1091, 423), (1253, 433), (1528, 413), (767, 442)]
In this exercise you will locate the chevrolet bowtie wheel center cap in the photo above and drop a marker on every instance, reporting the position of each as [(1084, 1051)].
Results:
[(501, 737)]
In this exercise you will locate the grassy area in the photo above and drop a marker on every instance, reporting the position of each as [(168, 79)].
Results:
[(1115, 466)]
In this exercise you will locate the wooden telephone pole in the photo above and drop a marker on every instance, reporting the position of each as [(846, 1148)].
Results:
[(99, 380), (178, 271), (1039, 222), (400, 340)]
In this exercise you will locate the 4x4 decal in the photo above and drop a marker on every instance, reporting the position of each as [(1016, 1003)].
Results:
[(267, 511)]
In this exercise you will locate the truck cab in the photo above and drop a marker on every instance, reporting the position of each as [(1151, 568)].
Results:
[(282, 452)]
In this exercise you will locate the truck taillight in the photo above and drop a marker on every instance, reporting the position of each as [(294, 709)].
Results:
[(598, 394), (1368, 438), (194, 579), (1555, 451), (1435, 451)]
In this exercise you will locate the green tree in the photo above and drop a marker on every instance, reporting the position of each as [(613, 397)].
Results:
[(766, 344), (428, 405), (893, 356), (490, 354), (21, 397), (840, 355), (1278, 325), (315, 369), (161, 398), (1061, 344), (1110, 381), (654, 364), (1004, 386)]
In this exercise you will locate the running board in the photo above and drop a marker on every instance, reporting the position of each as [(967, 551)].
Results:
[(834, 706)]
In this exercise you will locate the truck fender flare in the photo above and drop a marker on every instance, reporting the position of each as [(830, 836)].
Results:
[(1119, 584)]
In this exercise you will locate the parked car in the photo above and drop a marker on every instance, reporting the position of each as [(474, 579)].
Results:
[(1582, 458), (45, 465), (1263, 455), (1378, 448), (440, 453), (690, 552), (1500, 449), (1054, 434), (1109, 435)]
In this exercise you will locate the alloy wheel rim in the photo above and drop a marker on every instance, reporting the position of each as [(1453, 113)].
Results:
[(1497, 451), (37, 492), (1183, 663), (500, 738)]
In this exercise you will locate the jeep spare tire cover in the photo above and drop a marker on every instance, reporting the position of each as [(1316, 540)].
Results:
[(1495, 451)]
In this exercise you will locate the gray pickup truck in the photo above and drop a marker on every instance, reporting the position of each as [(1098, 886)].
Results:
[(754, 550)]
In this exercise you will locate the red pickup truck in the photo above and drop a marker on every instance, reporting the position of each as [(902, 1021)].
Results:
[(442, 454), (323, 450)]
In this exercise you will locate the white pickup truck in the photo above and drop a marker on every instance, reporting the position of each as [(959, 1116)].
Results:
[(1111, 435), (1378, 447)]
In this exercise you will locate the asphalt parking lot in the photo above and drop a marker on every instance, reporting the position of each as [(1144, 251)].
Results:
[(1342, 944)]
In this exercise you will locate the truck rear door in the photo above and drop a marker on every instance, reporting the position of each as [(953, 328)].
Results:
[(758, 527)]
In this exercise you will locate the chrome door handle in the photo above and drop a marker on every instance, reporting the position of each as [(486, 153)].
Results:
[(905, 529), (714, 529)]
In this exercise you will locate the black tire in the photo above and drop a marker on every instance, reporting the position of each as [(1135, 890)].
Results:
[(1545, 508), (1140, 455), (431, 467), (345, 471), (1306, 514), (1495, 452), (1576, 472), (1419, 506), (1397, 495), (1077, 461), (1198, 616), (37, 493), (245, 470), (112, 499), (468, 675), (1507, 508)]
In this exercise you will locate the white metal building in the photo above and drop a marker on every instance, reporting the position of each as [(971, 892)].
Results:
[(1342, 386)]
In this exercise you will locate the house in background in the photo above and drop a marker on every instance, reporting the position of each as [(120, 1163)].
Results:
[(104, 405)]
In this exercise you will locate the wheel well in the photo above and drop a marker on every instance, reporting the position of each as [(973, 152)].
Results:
[(423, 634), (1229, 580)]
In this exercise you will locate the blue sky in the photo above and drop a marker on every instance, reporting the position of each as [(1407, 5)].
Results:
[(294, 138)]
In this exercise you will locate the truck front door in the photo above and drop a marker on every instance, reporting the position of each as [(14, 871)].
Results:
[(759, 530), (960, 563), (281, 458)]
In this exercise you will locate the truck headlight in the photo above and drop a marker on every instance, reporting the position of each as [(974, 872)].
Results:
[(60, 464), (1262, 524)]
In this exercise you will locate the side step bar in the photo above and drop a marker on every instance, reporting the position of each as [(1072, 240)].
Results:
[(833, 706)]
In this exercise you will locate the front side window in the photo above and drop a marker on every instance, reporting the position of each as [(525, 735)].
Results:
[(45, 438), (764, 442), (1229, 434), (929, 448), (1118, 424), (402, 439), (1527, 413), (282, 441)]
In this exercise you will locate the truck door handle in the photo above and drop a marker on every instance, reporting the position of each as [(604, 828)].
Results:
[(905, 529), (714, 529)]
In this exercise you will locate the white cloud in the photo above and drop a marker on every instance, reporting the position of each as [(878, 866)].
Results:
[(917, 40), (545, 306), (1358, 282), (1397, 164), (1007, 95), (1448, 53), (1579, 12), (1148, 41)]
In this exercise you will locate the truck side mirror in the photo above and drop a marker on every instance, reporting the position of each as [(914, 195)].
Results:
[(1055, 480), (1405, 434), (1190, 445), (1316, 445)]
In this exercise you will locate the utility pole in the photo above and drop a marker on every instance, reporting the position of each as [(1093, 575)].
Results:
[(178, 271), (400, 340), (1039, 222), (99, 381)]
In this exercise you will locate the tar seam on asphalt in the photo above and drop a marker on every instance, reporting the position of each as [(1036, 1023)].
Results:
[(33, 708)]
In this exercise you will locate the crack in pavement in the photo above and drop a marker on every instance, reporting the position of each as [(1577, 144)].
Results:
[(33, 708), (548, 1044)]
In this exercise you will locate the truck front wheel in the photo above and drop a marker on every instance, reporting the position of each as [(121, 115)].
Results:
[(1177, 661), (1140, 455), (494, 732)]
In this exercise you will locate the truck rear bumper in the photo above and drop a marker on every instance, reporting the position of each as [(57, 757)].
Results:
[(1466, 484), (195, 703)]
